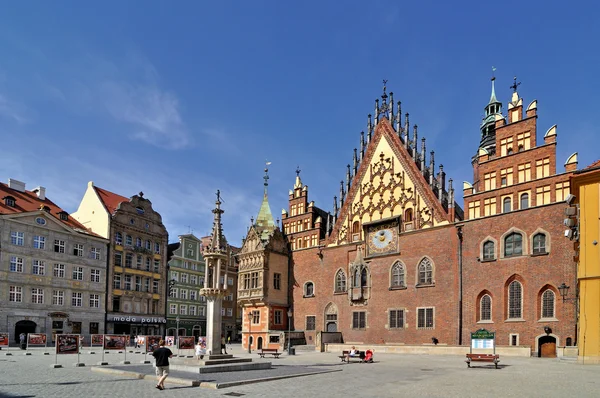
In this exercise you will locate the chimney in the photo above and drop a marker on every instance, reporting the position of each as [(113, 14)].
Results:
[(16, 185), (40, 192)]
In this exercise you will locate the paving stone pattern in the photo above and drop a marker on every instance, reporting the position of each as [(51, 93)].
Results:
[(392, 375)]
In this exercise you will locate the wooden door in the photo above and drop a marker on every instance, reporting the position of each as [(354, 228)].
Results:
[(547, 348)]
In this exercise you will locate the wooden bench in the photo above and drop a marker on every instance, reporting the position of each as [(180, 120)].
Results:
[(495, 358), (269, 351), (345, 355)]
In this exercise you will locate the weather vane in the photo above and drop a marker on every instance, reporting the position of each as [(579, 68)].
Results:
[(298, 171), (515, 84), (493, 73)]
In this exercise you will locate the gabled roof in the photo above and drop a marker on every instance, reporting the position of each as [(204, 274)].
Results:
[(594, 165), (28, 201), (110, 200)]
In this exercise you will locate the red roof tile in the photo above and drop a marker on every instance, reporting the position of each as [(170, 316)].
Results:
[(28, 201), (594, 165), (110, 199)]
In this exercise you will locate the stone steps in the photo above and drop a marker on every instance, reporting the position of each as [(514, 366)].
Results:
[(230, 367), (304, 347)]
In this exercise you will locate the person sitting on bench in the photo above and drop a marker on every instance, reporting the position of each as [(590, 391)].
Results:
[(351, 353)]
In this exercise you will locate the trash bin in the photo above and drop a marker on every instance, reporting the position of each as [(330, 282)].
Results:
[(292, 351)]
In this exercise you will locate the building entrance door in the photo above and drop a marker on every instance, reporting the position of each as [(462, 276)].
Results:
[(260, 342), (24, 327), (547, 347)]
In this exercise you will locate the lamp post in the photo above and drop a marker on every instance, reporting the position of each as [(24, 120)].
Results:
[(177, 332), (290, 314), (249, 331)]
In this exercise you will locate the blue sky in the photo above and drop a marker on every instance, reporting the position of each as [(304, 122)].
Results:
[(179, 99)]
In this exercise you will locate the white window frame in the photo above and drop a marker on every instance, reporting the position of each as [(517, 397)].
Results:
[(78, 249), (16, 264), (94, 301), (425, 310), (76, 299), (95, 253), (17, 238), (39, 242), (59, 246), (38, 267), (95, 275), (77, 273), (15, 294), (58, 297), (37, 295), (58, 270), (173, 309)]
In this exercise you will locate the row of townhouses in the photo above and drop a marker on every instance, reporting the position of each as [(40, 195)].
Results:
[(105, 269)]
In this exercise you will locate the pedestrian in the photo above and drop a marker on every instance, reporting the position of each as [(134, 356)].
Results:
[(22, 341), (199, 350), (162, 355), (229, 341), (223, 346)]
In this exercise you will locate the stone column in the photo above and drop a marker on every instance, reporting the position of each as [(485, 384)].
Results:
[(214, 303)]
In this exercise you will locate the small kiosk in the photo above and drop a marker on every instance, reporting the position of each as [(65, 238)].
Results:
[(483, 339)]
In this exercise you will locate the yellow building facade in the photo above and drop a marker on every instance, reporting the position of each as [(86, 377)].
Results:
[(586, 187)]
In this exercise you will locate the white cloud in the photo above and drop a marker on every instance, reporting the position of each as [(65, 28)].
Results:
[(13, 110), (153, 112)]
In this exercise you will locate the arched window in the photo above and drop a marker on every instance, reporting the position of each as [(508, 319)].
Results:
[(138, 242), (118, 238), (569, 342), (506, 205), (363, 277), (539, 243), (357, 277), (148, 245), (524, 201), (489, 251), (340, 282), (485, 308), (548, 304), (513, 245), (515, 300), (309, 289), (408, 215), (397, 277), (355, 231), (425, 272)]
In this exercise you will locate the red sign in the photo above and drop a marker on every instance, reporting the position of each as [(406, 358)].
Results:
[(36, 339), (97, 339), (186, 343), (4, 339), (152, 343), (114, 342), (67, 343)]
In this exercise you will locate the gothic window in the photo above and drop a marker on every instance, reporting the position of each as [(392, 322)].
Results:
[(363, 277), (408, 215), (355, 231), (513, 245), (524, 201), (548, 304), (539, 243), (506, 205), (340, 282), (309, 289), (515, 300), (356, 277), (397, 276), (489, 251), (425, 272), (485, 308)]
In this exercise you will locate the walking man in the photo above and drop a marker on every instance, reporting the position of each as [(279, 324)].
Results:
[(162, 355)]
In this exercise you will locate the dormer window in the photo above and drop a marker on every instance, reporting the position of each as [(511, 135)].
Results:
[(63, 215), (139, 210), (9, 201)]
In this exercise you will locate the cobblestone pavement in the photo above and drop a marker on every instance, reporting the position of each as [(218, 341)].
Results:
[(392, 375)]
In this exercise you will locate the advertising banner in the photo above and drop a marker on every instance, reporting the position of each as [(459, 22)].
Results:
[(3, 339), (114, 342), (67, 344), (202, 342), (186, 343), (97, 339), (152, 343), (170, 341), (36, 339), (140, 341)]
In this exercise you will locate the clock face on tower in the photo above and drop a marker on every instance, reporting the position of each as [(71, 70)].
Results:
[(382, 239)]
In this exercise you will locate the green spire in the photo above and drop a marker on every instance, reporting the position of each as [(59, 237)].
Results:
[(264, 221), (493, 98)]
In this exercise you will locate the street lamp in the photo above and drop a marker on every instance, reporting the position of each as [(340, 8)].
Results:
[(177, 332), (290, 314), (249, 331)]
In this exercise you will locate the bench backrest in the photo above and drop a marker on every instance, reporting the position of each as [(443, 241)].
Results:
[(269, 349)]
